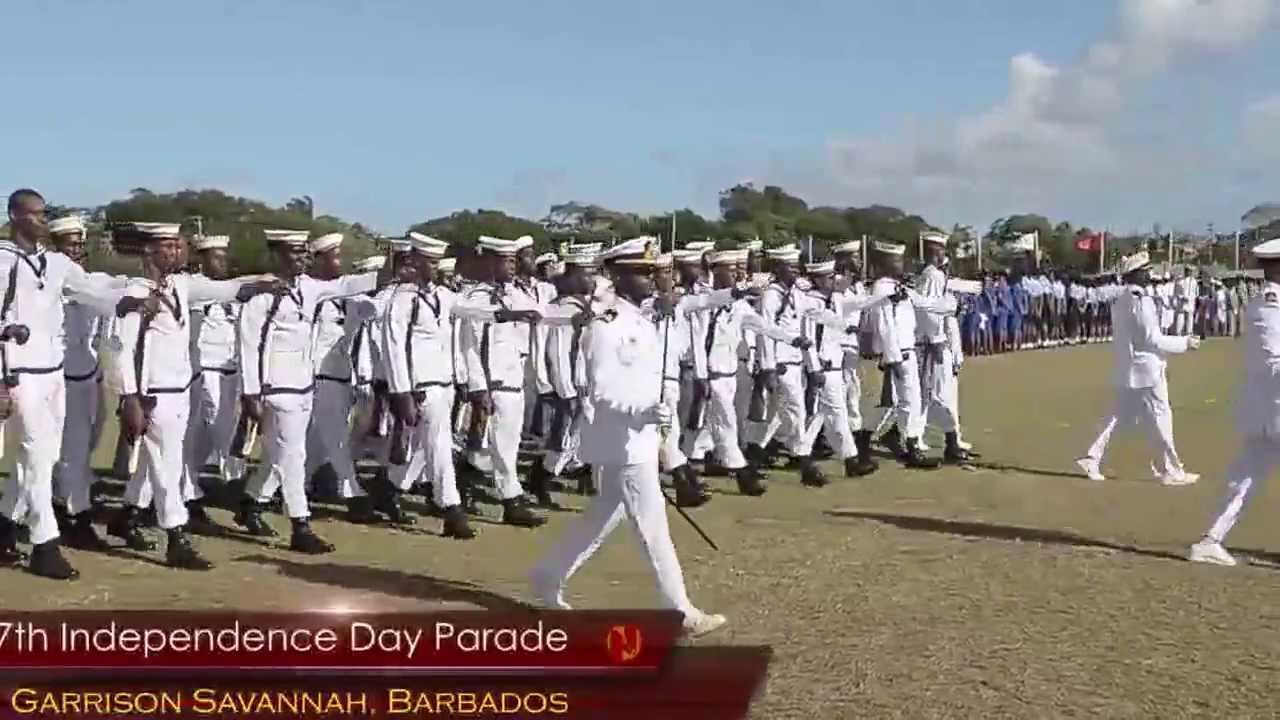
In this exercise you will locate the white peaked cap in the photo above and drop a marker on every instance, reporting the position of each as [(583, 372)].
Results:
[(67, 225), (524, 241), (213, 242), (700, 246), (580, 248), (545, 258), (937, 238), (580, 258), (785, 253), (325, 243), (286, 237), (1136, 261), (852, 246), (727, 257), (888, 248), (664, 261), (497, 246), (636, 251), (427, 245), (820, 268), (1268, 250), (751, 245), (687, 256), (447, 264), (371, 264), (157, 231)]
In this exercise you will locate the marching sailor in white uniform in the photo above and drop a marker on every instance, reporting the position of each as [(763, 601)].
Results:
[(277, 364), (1140, 350), (154, 377), (34, 284), (621, 440), (85, 330), (1257, 409)]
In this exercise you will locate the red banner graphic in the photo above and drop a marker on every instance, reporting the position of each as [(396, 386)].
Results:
[(588, 642)]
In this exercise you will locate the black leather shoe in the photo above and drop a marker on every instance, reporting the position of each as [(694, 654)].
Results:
[(47, 561), (182, 554), (456, 525), (305, 540), (749, 481), (125, 526), (515, 512), (81, 534), (811, 475), (249, 517)]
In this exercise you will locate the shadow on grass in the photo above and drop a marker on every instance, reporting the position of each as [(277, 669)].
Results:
[(1000, 467), (389, 582), (995, 531)]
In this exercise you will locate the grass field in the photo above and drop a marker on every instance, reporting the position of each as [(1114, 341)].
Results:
[(1012, 589)]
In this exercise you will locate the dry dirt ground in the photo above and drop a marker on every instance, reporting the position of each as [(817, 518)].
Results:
[(1011, 589)]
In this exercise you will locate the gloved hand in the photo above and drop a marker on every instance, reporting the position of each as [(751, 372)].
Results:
[(133, 418), (659, 415), (1193, 342)]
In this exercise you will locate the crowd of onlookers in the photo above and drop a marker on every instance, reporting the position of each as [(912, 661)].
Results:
[(1049, 309)]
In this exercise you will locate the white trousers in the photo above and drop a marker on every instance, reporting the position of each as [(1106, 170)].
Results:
[(906, 412), (942, 397), (32, 434), (1255, 463), (853, 391), (722, 421), (431, 449), (162, 461), (502, 443), (1181, 322), (786, 411), (80, 431), (631, 492), (832, 415), (218, 409), (685, 445), (557, 461), (286, 417), (329, 435), (1147, 409), (742, 402)]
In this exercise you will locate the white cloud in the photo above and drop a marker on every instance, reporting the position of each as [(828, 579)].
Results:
[(1058, 138)]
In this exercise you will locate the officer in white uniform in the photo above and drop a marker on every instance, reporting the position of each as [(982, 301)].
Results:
[(1257, 409), (496, 358), (34, 284), (84, 329), (781, 365), (849, 275), (330, 461), (218, 403), (688, 438), (416, 327), (892, 326), (530, 291), (370, 421), (154, 377), (938, 341), (1141, 349), (621, 439), (278, 368)]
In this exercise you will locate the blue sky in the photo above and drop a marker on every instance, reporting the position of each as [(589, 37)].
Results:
[(390, 112)]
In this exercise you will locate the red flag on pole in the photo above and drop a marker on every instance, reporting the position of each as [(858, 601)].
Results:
[(1089, 242)]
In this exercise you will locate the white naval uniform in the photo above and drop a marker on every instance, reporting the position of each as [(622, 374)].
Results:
[(938, 338), (329, 440), (277, 364), (417, 339), (621, 442), (84, 333), (725, 328), (218, 400), (1140, 349), (688, 354), (852, 357), (533, 294), (892, 325), (780, 307), (367, 369), (156, 363), (567, 372), (40, 281), (1257, 408)]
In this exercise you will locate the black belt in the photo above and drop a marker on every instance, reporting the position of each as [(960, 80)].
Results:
[(223, 371), (505, 388), (268, 390), (169, 390), (434, 383), (331, 378), (87, 376), (720, 375), (34, 371), (668, 378)]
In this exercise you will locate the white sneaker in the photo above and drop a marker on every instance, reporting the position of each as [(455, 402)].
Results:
[(1186, 478), (1090, 468), (546, 594), (960, 443), (703, 623), (1208, 551)]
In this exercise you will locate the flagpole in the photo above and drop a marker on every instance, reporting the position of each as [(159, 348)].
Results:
[(1170, 251), (1237, 251), (920, 246), (864, 256), (979, 236), (1102, 253)]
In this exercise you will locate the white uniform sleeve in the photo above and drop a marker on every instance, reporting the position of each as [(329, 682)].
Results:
[(249, 332), (394, 327)]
